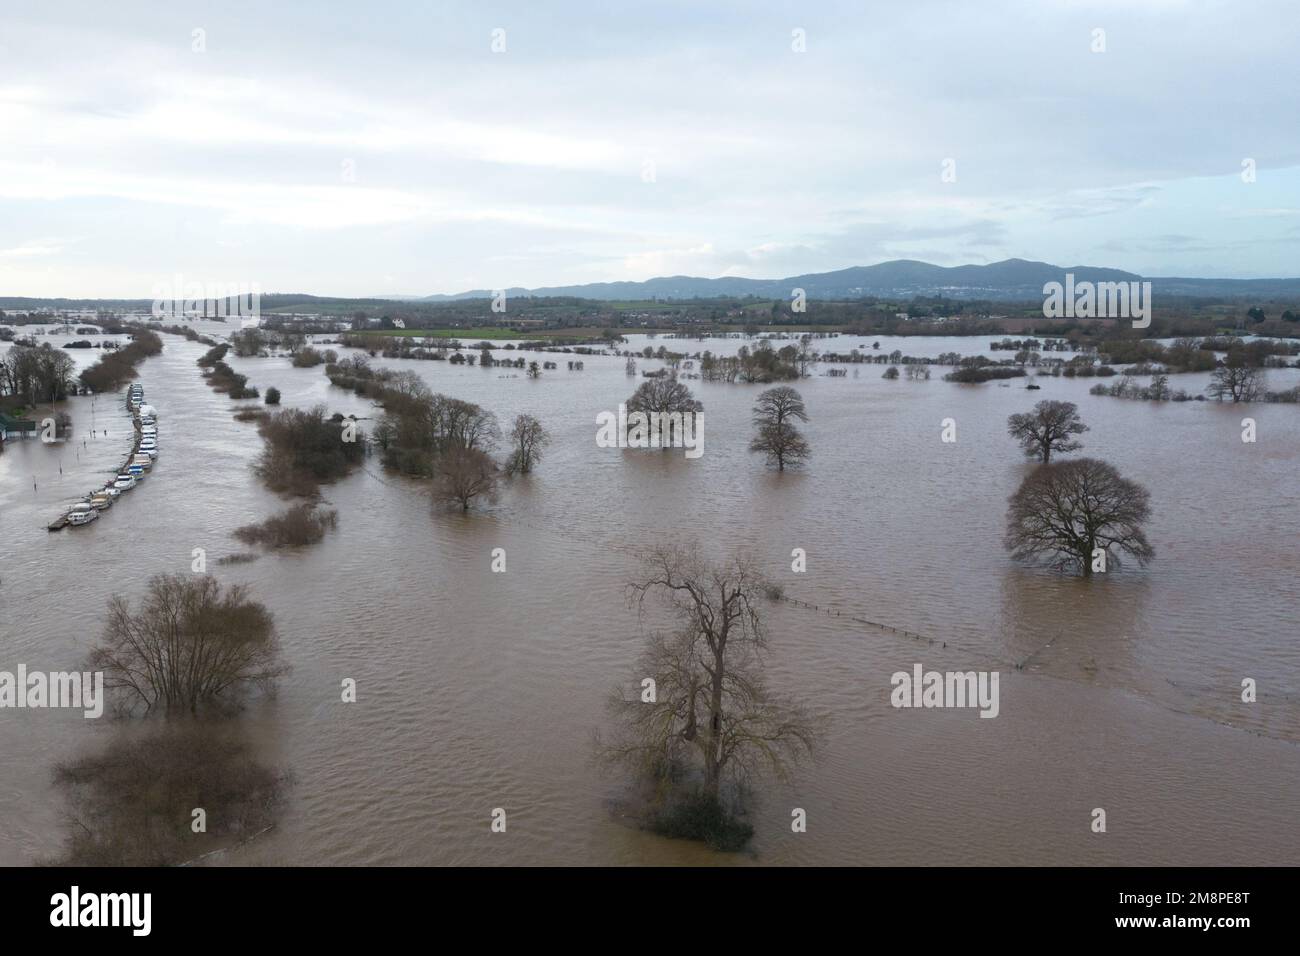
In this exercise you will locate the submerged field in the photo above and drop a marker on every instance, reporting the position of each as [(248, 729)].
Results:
[(479, 690)]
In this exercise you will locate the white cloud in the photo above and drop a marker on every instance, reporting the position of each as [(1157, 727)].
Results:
[(525, 168)]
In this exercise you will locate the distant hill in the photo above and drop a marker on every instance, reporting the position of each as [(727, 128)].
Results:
[(1009, 280), (1012, 280)]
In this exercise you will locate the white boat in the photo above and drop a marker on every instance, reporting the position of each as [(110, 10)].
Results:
[(83, 513)]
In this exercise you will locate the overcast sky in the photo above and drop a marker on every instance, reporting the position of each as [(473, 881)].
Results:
[(372, 148)]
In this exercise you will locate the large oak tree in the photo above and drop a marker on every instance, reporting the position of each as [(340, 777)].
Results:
[(775, 413), (1068, 511), (1048, 429)]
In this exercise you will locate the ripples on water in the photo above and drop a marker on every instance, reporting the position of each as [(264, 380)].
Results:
[(480, 690)]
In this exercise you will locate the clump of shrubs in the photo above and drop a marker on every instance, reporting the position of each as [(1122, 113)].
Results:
[(296, 527), (273, 396), (701, 816), (223, 378), (213, 355), (984, 373), (303, 448), (118, 796), (307, 357), (239, 557)]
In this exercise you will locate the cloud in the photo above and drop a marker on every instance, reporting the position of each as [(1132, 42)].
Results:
[(525, 168), (33, 248)]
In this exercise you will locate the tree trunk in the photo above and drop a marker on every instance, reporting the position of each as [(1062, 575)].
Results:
[(713, 740)]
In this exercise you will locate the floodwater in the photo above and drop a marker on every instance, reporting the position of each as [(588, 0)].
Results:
[(479, 690)]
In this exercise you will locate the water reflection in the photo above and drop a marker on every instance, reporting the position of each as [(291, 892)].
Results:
[(164, 793)]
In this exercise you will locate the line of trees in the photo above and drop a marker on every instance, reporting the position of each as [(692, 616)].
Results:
[(114, 369), (430, 435), (762, 364), (221, 377)]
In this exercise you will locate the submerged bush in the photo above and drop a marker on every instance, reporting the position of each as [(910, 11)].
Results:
[(239, 557), (124, 803), (190, 644), (223, 378), (296, 527), (307, 357), (700, 816), (213, 355), (303, 448), (975, 374)]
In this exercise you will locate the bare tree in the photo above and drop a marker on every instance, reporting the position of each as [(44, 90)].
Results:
[(191, 644), (1069, 510), (774, 416), (1236, 380), (664, 395), (1047, 429), (527, 440), (805, 358), (462, 475), (710, 699)]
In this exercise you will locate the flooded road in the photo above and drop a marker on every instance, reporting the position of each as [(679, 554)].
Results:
[(479, 690)]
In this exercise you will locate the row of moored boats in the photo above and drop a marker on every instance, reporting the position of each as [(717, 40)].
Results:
[(143, 455)]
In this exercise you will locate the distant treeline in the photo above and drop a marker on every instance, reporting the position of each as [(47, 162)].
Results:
[(869, 315)]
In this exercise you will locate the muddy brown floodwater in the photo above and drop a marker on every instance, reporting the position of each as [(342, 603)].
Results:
[(479, 690)]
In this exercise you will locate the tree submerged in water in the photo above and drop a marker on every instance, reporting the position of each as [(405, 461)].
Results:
[(1080, 513), (776, 435), (702, 725), (1049, 428), (192, 645)]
